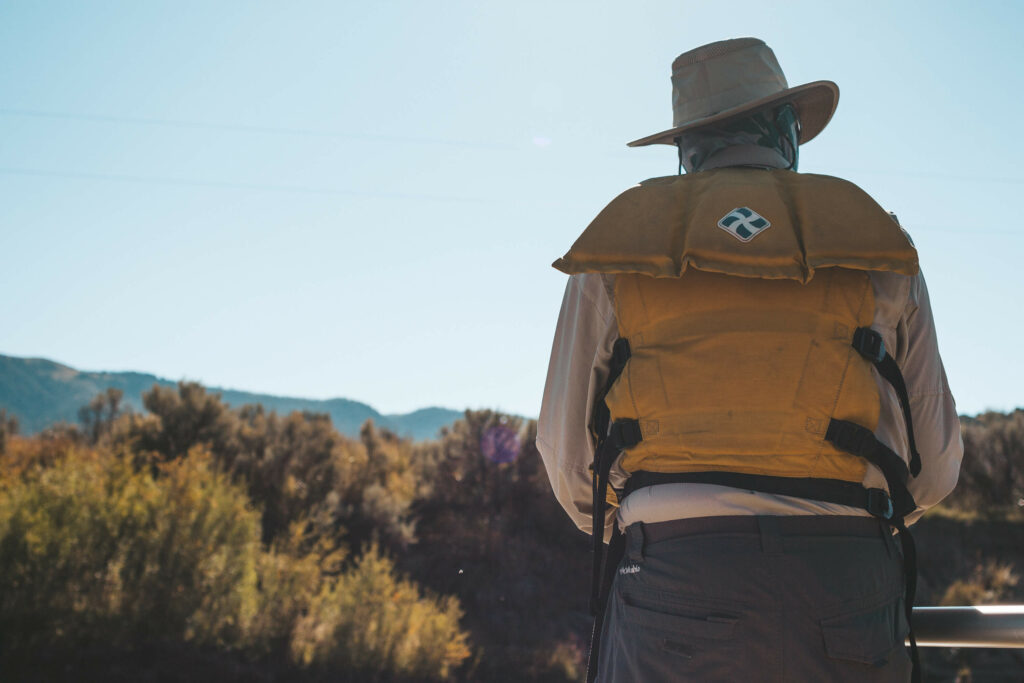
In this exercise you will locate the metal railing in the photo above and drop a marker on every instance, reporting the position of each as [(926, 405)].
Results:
[(999, 626)]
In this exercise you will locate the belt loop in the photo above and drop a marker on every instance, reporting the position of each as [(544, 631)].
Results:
[(771, 539), (635, 542)]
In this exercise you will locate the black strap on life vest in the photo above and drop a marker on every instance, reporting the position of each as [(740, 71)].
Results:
[(601, 416), (621, 435), (611, 440), (860, 441), (870, 344), (616, 549), (855, 439), (910, 591)]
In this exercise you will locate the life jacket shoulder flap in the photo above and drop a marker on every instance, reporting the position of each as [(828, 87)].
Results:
[(744, 222)]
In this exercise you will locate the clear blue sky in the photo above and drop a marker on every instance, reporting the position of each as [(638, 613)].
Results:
[(363, 199)]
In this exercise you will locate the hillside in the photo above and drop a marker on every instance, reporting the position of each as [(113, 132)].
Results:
[(40, 392)]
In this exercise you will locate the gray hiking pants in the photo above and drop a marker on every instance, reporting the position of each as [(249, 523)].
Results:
[(757, 599)]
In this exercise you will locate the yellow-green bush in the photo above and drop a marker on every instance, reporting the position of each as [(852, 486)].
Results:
[(92, 550), (989, 584), (368, 620), (296, 468)]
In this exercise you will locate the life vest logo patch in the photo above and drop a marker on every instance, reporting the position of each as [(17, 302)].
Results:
[(744, 224)]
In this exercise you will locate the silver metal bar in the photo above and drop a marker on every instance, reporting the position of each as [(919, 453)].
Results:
[(1000, 626)]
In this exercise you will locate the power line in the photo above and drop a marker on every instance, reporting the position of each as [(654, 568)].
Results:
[(244, 128), (414, 140), (312, 190), (932, 176), (260, 187)]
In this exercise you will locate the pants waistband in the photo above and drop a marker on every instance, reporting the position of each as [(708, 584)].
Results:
[(799, 525)]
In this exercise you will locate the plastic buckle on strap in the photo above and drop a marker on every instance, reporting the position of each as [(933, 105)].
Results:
[(625, 433), (880, 504), (869, 344)]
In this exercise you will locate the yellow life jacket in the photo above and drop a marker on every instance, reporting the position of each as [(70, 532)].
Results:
[(746, 352)]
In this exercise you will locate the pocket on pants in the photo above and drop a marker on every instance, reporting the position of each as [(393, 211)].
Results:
[(866, 633), (686, 630)]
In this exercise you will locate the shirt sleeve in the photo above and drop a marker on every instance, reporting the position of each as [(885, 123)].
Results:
[(936, 424), (580, 358)]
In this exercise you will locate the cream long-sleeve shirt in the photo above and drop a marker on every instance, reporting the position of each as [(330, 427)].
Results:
[(580, 358)]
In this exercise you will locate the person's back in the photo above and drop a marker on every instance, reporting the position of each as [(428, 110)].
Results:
[(743, 359)]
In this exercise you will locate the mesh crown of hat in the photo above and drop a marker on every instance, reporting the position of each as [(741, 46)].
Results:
[(713, 50)]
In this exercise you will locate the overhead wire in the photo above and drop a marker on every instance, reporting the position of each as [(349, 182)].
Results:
[(261, 187), (932, 175), (302, 189), (371, 137), (311, 132), (245, 128)]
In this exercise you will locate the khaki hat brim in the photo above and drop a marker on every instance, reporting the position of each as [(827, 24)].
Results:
[(815, 104)]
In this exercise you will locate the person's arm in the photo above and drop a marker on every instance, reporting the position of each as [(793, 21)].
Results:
[(936, 424), (577, 370)]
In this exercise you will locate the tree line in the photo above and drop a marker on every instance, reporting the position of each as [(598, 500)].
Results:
[(208, 542), (242, 538)]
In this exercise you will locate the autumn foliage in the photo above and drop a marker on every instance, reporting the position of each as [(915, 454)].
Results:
[(197, 542), (238, 531)]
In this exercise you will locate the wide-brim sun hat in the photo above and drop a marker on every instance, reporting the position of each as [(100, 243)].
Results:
[(726, 79)]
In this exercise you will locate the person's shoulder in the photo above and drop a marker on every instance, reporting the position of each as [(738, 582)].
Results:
[(593, 286)]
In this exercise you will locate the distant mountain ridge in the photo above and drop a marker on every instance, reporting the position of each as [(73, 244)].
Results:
[(41, 392)]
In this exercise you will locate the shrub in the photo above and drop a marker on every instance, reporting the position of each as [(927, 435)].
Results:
[(181, 419), (369, 621), (989, 584), (991, 478), (8, 428), (98, 416), (296, 468), (287, 586), (93, 551)]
